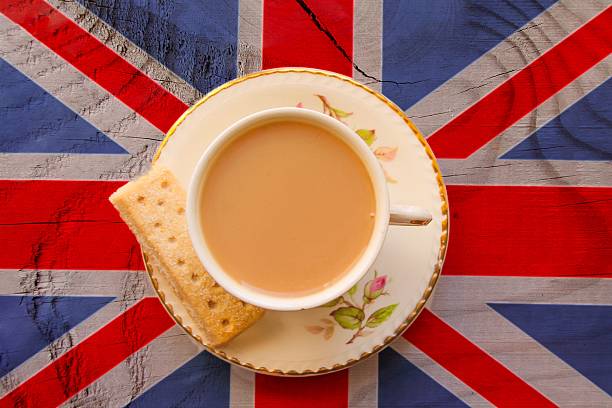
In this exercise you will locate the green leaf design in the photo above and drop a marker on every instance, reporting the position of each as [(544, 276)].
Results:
[(368, 135), (380, 316), (348, 317), (340, 113), (353, 290), (333, 302)]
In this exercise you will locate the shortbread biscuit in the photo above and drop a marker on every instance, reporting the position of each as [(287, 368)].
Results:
[(153, 207)]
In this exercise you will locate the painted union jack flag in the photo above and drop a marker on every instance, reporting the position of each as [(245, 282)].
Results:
[(516, 99)]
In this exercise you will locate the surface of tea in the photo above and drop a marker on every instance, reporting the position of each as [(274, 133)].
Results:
[(287, 208)]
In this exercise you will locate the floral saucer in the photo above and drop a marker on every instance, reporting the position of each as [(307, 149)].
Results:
[(388, 299)]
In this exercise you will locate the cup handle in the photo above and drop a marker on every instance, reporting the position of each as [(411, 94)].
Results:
[(408, 215)]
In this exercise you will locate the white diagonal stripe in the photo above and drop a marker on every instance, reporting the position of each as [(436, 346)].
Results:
[(64, 343), (489, 71), (544, 113), (128, 287), (462, 302), (484, 166), (84, 97), (504, 60), (128, 50), (139, 372), (439, 373)]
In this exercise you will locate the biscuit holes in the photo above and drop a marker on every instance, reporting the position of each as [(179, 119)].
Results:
[(164, 184), (195, 277), (224, 322), (181, 210), (211, 304), (157, 224), (180, 262), (172, 239), (160, 202), (140, 199)]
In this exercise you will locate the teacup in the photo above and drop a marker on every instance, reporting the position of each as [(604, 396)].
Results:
[(385, 213)]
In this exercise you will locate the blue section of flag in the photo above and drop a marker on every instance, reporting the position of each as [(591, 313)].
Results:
[(402, 384), (34, 121), (29, 323), (425, 43), (582, 132), (204, 381), (580, 335), (195, 39)]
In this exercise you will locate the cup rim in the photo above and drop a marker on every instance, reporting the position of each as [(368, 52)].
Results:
[(350, 278)]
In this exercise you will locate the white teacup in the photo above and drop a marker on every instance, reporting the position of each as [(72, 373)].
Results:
[(385, 214)]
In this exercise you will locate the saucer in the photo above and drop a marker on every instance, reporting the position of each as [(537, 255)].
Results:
[(393, 292)]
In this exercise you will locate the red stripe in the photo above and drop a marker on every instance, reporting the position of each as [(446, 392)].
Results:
[(93, 357), (90, 56), (323, 391), (291, 36), (470, 364), (511, 231), (525, 91), (63, 225), (530, 231)]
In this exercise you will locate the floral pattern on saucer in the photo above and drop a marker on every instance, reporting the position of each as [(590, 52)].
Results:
[(383, 153), (352, 316)]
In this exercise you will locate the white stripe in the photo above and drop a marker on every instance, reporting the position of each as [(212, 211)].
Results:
[(363, 384), (439, 374), (64, 343), (122, 284), (367, 41), (242, 387), (528, 173), (127, 286), (139, 372), (250, 29), (504, 60), (128, 50), (456, 291), (73, 89), (87, 99), (75, 166), (484, 167), (563, 100), (461, 302)]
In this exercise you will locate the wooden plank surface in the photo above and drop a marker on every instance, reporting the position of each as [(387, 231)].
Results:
[(530, 186)]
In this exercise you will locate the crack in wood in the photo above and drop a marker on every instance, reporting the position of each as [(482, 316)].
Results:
[(319, 25)]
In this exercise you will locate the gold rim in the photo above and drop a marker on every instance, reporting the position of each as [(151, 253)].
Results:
[(443, 238)]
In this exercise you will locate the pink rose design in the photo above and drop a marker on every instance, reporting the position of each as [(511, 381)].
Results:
[(379, 283), (375, 287)]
